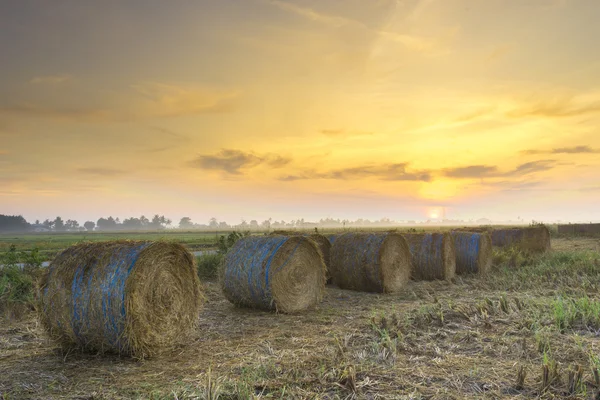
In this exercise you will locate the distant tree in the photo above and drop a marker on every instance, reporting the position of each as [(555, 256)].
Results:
[(132, 224), (159, 222), (89, 225), (213, 223), (223, 225), (266, 224), (107, 224), (37, 221), (243, 225), (254, 224), (48, 224), (59, 225), (71, 224), (185, 223), (13, 223)]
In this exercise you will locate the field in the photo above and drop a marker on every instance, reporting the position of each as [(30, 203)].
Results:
[(49, 244), (531, 329)]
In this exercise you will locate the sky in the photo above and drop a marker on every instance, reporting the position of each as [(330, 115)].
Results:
[(287, 109)]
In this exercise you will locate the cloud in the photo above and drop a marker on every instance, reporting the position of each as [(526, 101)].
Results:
[(386, 172), (163, 100), (233, 161), (491, 171), (342, 133), (49, 79), (101, 172), (564, 150), (142, 101), (471, 171), (313, 15), (510, 186), (531, 167), (498, 52), (411, 42), (58, 113), (590, 189), (556, 108)]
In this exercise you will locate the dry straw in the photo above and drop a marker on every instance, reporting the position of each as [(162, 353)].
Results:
[(433, 256), (320, 240), (532, 239), (126, 297), (473, 252), (370, 262), (282, 273)]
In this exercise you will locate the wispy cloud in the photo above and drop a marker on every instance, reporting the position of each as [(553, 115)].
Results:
[(471, 171), (590, 189), (560, 107), (564, 150), (49, 79), (343, 133), (492, 171), (313, 15), (101, 172), (386, 172), (143, 101), (165, 100), (411, 42), (234, 161)]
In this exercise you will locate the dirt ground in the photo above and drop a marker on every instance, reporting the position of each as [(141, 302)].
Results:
[(494, 337)]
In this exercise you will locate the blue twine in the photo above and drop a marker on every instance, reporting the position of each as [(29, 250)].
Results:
[(467, 251), (248, 265), (112, 284), (367, 255)]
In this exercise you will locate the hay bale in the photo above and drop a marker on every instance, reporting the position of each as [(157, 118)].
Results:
[(127, 297), (473, 252), (433, 256), (320, 240), (283, 273), (534, 239), (325, 248), (370, 262)]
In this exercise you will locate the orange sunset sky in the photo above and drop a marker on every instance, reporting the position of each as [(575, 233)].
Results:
[(300, 109)]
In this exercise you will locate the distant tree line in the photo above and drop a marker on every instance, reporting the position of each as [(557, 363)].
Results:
[(16, 223)]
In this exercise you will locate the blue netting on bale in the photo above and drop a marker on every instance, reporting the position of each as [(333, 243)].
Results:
[(112, 285), (467, 251), (133, 298), (506, 237), (530, 239), (473, 252), (433, 255), (249, 268), (111, 280), (370, 262), (359, 258)]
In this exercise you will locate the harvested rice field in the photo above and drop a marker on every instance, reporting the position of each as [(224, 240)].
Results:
[(529, 329)]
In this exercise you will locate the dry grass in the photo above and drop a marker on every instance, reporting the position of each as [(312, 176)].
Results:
[(499, 337)]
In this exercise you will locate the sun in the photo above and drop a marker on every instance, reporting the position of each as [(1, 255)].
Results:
[(433, 215)]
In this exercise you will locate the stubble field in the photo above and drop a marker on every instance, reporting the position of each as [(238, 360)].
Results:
[(531, 329)]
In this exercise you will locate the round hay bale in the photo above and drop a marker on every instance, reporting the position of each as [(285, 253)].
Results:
[(282, 273), (433, 256), (535, 239), (370, 262), (320, 240), (131, 298), (325, 247), (473, 252)]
